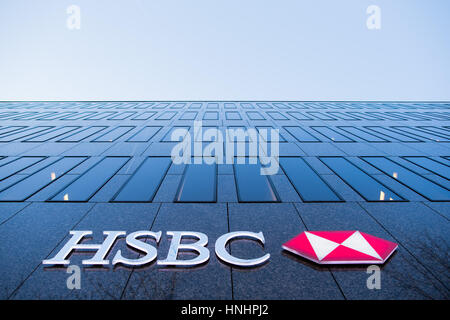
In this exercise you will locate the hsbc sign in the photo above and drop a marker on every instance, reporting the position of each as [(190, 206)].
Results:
[(322, 247), (136, 241)]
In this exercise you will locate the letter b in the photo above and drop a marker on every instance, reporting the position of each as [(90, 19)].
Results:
[(176, 245)]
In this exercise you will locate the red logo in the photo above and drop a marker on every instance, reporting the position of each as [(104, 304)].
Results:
[(341, 247)]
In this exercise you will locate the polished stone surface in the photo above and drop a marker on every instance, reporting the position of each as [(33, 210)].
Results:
[(100, 166)]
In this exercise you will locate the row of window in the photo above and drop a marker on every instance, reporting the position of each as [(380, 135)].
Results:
[(221, 105), (227, 115), (21, 178), (286, 133)]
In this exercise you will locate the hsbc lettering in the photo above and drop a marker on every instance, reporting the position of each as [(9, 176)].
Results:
[(136, 240)]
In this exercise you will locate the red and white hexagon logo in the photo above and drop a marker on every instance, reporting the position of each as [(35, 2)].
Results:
[(341, 247)]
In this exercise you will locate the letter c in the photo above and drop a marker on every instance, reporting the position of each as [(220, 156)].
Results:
[(223, 254)]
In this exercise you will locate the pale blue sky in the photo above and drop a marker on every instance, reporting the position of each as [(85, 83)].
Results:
[(224, 50)]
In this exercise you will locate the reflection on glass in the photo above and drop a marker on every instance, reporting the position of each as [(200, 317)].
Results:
[(252, 186), (358, 132), (31, 184), (198, 184), (331, 134), (143, 184), (309, 185), (83, 188), (82, 134), (430, 190), (431, 165), (17, 165), (301, 135), (23, 133), (420, 133), (145, 134), (368, 187), (114, 134)]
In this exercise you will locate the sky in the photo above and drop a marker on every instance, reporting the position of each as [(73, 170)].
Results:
[(225, 50)]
